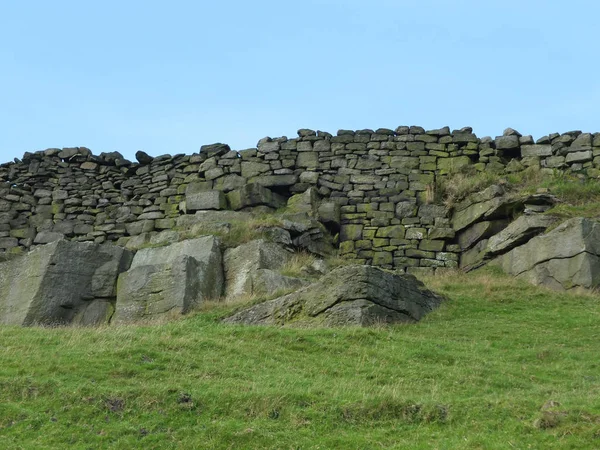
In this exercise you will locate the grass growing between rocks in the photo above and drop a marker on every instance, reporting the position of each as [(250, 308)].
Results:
[(579, 197), (234, 232), (500, 365), (298, 263)]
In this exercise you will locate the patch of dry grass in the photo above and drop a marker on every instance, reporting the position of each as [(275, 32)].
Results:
[(298, 264), (234, 233)]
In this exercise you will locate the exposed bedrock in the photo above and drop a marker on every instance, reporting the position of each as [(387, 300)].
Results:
[(62, 283), (170, 279), (567, 257)]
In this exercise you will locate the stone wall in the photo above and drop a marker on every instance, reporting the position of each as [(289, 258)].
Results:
[(379, 182)]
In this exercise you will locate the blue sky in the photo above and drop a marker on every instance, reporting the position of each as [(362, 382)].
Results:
[(167, 77)]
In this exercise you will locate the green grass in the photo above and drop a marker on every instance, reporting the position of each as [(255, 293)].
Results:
[(237, 232), (500, 365), (579, 196), (298, 264)]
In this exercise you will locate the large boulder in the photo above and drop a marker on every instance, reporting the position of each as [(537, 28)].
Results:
[(565, 258), (268, 281), (348, 295), (305, 202), (62, 283), (170, 279), (244, 264)]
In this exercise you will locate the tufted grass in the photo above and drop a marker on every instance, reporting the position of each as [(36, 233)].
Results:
[(500, 365), (578, 196), (298, 263)]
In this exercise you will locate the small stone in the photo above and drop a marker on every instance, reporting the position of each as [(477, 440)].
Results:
[(143, 157), (511, 132)]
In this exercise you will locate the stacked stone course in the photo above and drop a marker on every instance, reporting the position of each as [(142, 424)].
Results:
[(379, 180)]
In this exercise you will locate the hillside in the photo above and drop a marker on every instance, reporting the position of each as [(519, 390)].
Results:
[(502, 364), (120, 281)]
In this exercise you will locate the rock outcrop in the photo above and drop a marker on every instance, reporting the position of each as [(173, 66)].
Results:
[(485, 225), (170, 279), (349, 295), (567, 257), (62, 283), (374, 189), (364, 195), (250, 269), (518, 232)]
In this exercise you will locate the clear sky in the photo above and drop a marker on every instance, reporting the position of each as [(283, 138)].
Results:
[(169, 76)]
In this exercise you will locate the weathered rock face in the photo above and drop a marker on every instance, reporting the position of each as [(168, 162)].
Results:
[(244, 267), (170, 279), (350, 295), (483, 205), (62, 283), (518, 232), (565, 258), (479, 231), (484, 227)]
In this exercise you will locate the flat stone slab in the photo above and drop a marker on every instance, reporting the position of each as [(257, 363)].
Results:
[(518, 232)]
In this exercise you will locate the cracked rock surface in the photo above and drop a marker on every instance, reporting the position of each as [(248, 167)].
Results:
[(349, 295), (566, 258), (170, 279), (62, 283)]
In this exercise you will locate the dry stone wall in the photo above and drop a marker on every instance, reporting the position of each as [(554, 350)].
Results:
[(374, 185)]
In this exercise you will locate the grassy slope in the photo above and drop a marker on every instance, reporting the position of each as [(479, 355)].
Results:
[(474, 374), (578, 197)]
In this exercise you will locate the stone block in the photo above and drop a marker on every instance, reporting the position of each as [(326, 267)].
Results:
[(254, 194), (251, 169), (275, 180), (8, 242), (507, 142), (394, 231), (351, 232), (579, 157), (206, 200), (416, 233), (441, 233), (382, 258), (308, 160), (431, 245), (536, 150), (450, 165)]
